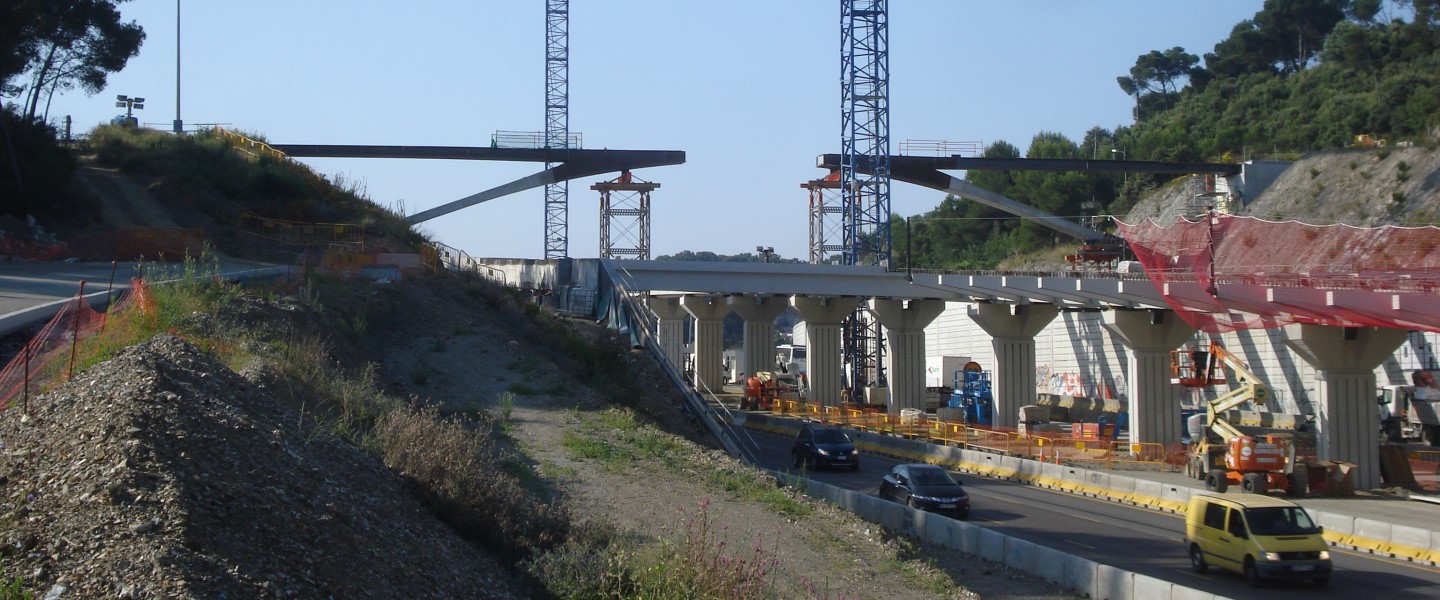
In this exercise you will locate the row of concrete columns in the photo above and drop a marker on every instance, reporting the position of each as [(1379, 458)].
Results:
[(1344, 358)]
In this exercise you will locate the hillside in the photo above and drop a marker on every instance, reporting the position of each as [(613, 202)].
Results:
[(1361, 187)]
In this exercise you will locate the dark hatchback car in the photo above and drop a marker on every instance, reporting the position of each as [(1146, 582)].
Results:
[(926, 487), (818, 447)]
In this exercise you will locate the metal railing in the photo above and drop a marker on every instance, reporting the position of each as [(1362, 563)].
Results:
[(247, 145), (442, 256)]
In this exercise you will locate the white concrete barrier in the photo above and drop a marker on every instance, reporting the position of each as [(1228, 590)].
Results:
[(1050, 564), (1020, 554), (992, 545), (1147, 493), (1150, 587), (1114, 583), (1374, 530), (1081, 575)]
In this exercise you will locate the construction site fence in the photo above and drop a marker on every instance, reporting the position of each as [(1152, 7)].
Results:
[(1046, 447), (350, 235), (49, 358)]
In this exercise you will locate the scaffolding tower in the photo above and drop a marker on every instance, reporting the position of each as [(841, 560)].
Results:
[(557, 123), (827, 226), (625, 217)]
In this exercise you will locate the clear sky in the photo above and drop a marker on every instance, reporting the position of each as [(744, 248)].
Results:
[(749, 89)]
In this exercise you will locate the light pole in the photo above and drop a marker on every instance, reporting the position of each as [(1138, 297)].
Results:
[(1123, 156), (766, 250), (179, 125), (130, 105)]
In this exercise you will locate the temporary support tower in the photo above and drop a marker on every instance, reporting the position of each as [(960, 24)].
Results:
[(827, 212), (625, 217), (557, 123), (865, 170)]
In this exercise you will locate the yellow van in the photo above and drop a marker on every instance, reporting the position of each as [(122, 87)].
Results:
[(1260, 537)]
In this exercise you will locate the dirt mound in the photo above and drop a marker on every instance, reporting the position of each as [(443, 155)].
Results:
[(162, 473)]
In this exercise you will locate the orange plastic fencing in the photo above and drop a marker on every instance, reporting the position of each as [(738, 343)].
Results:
[(49, 358), (1425, 464), (1056, 447)]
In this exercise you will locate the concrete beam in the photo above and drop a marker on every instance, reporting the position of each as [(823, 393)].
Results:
[(1345, 359), (1150, 335), (1013, 328), (905, 322)]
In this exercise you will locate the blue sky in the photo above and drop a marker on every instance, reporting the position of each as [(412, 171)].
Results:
[(748, 89)]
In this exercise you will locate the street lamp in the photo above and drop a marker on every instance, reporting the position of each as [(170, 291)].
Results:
[(1125, 178), (766, 250), (130, 105)]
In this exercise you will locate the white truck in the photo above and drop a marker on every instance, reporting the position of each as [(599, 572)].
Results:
[(1409, 413)]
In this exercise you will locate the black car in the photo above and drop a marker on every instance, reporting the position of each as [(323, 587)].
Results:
[(926, 487), (818, 447)]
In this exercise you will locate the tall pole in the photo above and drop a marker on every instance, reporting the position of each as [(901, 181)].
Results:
[(179, 125)]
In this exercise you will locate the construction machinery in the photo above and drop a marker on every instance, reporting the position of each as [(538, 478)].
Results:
[(1410, 414), (1220, 453)]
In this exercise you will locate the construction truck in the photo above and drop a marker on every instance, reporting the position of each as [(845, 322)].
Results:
[(1220, 453), (1409, 413)]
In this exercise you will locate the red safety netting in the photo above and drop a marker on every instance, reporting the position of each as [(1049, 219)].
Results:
[(1227, 272), (47, 358)]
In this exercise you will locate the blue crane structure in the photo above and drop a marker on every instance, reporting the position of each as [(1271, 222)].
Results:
[(864, 171), (557, 124)]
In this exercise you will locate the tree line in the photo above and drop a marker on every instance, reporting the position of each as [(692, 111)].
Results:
[(1299, 76), (49, 47)]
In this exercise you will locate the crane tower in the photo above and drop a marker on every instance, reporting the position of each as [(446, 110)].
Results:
[(557, 123), (865, 170)]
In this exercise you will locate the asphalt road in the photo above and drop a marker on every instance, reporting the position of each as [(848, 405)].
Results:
[(1135, 539)]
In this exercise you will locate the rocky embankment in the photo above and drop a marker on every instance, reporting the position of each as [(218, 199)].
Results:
[(162, 473)]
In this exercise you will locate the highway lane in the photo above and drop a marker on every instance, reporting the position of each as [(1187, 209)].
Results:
[(1135, 539)]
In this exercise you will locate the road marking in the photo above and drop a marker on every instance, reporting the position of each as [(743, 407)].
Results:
[(1080, 544)]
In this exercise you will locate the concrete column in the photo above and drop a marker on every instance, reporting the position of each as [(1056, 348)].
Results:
[(709, 313), (1345, 359), (1150, 335), (1013, 327), (823, 317), (759, 312), (905, 322), (671, 328)]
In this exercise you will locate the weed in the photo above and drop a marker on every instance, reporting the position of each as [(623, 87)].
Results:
[(1382, 153), (507, 406), (1314, 172), (463, 330), (15, 590), (1353, 165), (1397, 196), (592, 448), (1366, 175)]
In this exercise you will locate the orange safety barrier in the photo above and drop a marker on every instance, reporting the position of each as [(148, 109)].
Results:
[(50, 356)]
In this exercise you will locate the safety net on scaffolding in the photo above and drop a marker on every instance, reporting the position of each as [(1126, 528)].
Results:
[(1226, 272)]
